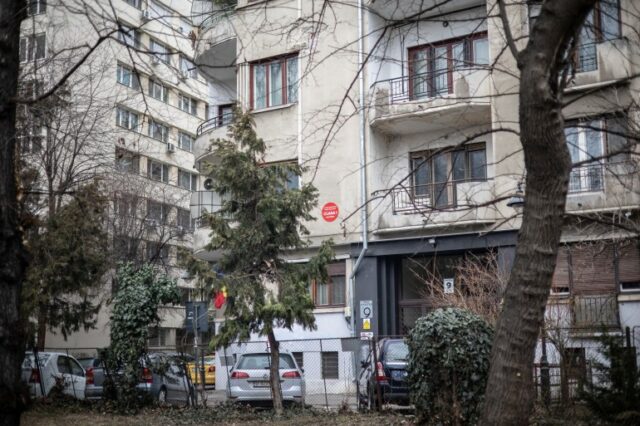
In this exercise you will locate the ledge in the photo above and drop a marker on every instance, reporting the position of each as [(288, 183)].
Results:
[(273, 108)]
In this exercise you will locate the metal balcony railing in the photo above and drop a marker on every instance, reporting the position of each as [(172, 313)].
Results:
[(432, 196), (203, 202), (215, 122), (586, 179), (593, 311), (217, 16), (419, 86)]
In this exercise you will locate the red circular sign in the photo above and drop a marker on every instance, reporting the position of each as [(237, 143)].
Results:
[(330, 212)]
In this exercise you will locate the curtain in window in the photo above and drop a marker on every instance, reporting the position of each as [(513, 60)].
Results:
[(275, 80), (260, 86), (292, 80)]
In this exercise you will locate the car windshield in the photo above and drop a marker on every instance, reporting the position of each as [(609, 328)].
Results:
[(397, 351), (262, 362)]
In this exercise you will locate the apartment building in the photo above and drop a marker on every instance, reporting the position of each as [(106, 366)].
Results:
[(144, 99), (416, 138)]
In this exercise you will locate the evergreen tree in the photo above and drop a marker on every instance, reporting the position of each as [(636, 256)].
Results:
[(68, 253), (258, 222)]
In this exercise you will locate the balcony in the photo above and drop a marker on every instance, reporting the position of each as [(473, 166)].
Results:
[(601, 62), (431, 101), (216, 48), (212, 129), (203, 202), (433, 205), (595, 311), (604, 186)]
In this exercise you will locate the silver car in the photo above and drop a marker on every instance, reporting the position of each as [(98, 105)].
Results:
[(249, 379)]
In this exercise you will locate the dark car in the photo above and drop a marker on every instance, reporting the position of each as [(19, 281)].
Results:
[(389, 375)]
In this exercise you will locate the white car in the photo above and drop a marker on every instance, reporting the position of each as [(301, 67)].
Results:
[(52, 368)]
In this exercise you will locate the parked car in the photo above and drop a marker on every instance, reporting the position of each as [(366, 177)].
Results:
[(53, 368), (94, 370), (249, 379), (389, 372), (164, 377), (209, 371)]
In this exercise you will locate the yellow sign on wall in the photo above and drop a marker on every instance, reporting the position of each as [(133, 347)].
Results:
[(366, 323)]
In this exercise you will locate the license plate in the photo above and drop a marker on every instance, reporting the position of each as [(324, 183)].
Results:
[(261, 384)]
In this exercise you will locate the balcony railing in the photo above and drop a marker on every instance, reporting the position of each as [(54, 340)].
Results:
[(215, 122), (432, 196), (586, 179), (593, 311), (203, 202), (218, 15)]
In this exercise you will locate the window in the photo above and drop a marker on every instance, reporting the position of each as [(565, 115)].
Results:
[(187, 180), (134, 3), (585, 141), (292, 180), (158, 131), (159, 51), (126, 205), (31, 139), (185, 141), (331, 293), (431, 67), (184, 219), (330, 365), (158, 171), (158, 91), (263, 361), (157, 211), (299, 357), (127, 161), (158, 337), (188, 104), (225, 114), (33, 47), (127, 77), (160, 13), (435, 175), (129, 36), (630, 286), (602, 24), (36, 7), (188, 68), (274, 82), (125, 247), (127, 119)]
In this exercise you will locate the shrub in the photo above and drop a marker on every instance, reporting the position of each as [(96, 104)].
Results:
[(614, 395), (449, 352)]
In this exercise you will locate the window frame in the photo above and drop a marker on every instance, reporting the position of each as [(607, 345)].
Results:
[(129, 114), (191, 139), (153, 125), (190, 70), (134, 78), (164, 170), (135, 161), (164, 57), (134, 3), (181, 214), (127, 33), (153, 86), (285, 88), (468, 62), (193, 180), (325, 367), (336, 269), (188, 104), (40, 6), (28, 47)]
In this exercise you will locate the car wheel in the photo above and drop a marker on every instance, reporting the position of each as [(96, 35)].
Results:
[(162, 396)]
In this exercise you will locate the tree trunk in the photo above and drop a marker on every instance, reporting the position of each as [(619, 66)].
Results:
[(510, 392), (12, 251), (42, 327), (274, 373)]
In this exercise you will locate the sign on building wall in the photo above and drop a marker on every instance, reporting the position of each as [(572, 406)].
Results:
[(448, 285), (330, 212)]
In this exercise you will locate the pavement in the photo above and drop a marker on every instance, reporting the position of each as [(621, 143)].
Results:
[(329, 401)]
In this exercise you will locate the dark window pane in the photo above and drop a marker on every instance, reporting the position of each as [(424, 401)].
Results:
[(459, 165), (477, 164), (609, 19), (330, 365), (338, 283)]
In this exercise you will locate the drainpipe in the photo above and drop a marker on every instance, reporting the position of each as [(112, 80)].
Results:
[(363, 164)]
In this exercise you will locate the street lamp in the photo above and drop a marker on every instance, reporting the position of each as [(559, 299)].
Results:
[(517, 200)]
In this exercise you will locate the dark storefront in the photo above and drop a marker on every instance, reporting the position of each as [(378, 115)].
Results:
[(393, 274)]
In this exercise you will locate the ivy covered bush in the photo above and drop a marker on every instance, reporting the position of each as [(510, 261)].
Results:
[(449, 352)]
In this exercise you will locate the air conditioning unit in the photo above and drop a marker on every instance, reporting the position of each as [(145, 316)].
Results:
[(208, 184), (171, 147), (146, 15)]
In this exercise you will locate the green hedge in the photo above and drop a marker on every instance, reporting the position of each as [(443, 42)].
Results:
[(449, 352)]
